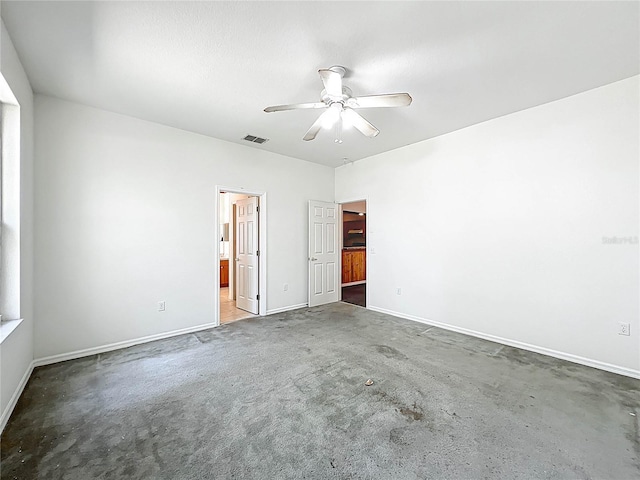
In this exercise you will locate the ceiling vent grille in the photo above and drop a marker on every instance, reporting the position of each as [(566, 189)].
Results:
[(254, 139)]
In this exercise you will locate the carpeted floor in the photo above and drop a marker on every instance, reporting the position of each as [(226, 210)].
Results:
[(284, 396), (355, 294)]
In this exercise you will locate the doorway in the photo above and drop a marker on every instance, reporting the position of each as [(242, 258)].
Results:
[(354, 253), (241, 269)]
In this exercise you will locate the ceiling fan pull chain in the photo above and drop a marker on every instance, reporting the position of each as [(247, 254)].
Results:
[(339, 130)]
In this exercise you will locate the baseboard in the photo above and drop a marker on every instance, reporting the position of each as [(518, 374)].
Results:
[(118, 345), (14, 398), (351, 284), (286, 309), (627, 372)]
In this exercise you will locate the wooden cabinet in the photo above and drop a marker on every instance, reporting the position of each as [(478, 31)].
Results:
[(346, 266), (359, 266), (224, 273), (354, 265)]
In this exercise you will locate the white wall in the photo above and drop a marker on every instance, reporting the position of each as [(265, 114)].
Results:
[(16, 351), (125, 217), (497, 229)]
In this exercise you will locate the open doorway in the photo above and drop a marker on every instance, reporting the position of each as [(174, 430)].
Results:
[(239, 250), (354, 253)]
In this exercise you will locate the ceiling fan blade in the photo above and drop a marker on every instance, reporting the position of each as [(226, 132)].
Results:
[(317, 125), (386, 100), (332, 82), (359, 122), (295, 106)]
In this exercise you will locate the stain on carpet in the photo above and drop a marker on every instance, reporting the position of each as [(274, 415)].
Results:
[(390, 352), (412, 413)]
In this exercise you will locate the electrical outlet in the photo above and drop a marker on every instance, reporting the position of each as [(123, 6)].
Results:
[(373, 251), (398, 291), (623, 329), (162, 306), (286, 287)]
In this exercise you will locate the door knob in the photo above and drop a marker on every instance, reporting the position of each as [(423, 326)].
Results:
[(313, 259)]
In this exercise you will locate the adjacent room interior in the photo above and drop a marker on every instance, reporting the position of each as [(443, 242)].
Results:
[(475, 171), (354, 253), (233, 241)]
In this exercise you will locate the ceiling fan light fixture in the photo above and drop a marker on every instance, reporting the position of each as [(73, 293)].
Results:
[(331, 116), (346, 122)]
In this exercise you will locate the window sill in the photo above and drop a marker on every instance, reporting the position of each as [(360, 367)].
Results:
[(7, 327)]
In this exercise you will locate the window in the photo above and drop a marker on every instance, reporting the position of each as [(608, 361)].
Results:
[(9, 210)]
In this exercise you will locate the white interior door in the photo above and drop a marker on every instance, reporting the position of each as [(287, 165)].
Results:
[(246, 273), (323, 253)]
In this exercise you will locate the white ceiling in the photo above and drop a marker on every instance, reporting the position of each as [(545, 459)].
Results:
[(212, 67)]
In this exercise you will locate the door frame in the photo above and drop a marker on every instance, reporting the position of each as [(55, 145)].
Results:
[(367, 250), (262, 247)]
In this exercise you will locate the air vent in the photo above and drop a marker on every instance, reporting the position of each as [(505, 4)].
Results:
[(254, 139)]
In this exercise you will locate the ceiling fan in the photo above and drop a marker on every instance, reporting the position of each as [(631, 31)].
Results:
[(340, 104)]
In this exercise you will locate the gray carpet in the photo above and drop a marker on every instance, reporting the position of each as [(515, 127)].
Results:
[(284, 397)]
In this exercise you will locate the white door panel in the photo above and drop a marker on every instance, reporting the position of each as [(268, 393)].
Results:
[(247, 254), (323, 253)]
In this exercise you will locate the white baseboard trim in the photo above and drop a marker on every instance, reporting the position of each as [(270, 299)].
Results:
[(286, 309), (14, 398), (627, 372), (118, 345), (350, 284)]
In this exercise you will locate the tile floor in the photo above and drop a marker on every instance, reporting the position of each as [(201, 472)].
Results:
[(355, 294), (228, 311)]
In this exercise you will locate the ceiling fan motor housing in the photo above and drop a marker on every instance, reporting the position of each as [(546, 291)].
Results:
[(329, 99)]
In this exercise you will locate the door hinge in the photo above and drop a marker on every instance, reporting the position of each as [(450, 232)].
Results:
[(258, 209), (257, 253), (257, 297)]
